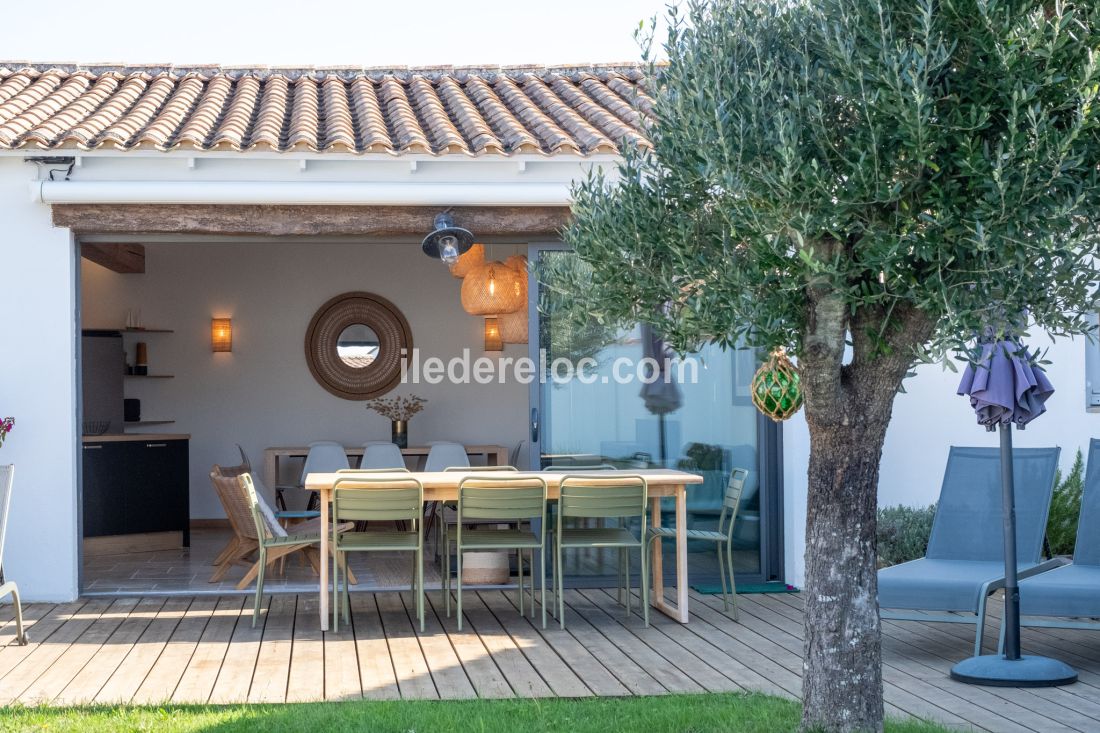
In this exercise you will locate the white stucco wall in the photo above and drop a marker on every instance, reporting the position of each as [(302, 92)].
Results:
[(38, 388)]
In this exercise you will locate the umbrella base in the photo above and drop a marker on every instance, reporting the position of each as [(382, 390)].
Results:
[(993, 670)]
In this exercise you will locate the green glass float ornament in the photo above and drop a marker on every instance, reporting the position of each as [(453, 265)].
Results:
[(777, 387)]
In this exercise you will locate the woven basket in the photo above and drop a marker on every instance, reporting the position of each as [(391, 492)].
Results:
[(485, 568)]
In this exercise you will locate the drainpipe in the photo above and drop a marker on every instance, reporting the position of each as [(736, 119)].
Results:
[(300, 193)]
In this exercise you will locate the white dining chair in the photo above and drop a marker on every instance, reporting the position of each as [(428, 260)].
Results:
[(378, 454), (444, 455), (7, 476), (324, 456)]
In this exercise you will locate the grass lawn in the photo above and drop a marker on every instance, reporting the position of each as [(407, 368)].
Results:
[(673, 713)]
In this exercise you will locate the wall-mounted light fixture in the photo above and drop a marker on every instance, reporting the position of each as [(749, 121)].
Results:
[(493, 341), (221, 335), (447, 242)]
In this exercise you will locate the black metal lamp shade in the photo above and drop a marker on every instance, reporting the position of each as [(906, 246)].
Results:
[(447, 242)]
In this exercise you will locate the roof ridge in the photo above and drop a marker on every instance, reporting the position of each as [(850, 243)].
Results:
[(296, 71)]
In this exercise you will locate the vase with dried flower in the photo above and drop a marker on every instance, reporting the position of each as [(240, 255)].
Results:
[(5, 427), (399, 410)]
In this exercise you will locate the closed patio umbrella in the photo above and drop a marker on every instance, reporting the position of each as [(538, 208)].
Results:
[(660, 393), (1006, 389)]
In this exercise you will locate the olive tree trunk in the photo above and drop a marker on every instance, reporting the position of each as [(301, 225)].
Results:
[(848, 408)]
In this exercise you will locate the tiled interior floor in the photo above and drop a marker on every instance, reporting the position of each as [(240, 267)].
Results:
[(188, 570)]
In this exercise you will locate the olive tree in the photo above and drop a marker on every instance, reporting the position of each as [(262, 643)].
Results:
[(867, 183)]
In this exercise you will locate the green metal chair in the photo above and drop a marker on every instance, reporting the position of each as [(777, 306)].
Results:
[(593, 496), (722, 537), (499, 499), (447, 515), (383, 499), (270, 546)]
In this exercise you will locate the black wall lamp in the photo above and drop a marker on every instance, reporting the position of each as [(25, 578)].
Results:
[(447, 242)]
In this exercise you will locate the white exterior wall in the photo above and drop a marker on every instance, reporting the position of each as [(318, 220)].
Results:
[(38, 388)]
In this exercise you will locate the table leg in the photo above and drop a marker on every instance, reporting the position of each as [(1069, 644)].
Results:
[(680, 610), (656, 562), (271, 469), (323, 605)]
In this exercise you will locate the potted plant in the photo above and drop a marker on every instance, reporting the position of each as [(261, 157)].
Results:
[(399, 410)]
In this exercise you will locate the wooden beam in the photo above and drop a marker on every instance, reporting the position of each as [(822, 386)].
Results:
[(374, 221), (124, 258)]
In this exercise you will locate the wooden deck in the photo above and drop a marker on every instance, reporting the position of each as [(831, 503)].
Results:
[(203, 649)]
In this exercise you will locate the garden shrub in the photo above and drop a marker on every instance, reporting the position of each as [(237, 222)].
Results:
[(903, 533), (1065, 509)]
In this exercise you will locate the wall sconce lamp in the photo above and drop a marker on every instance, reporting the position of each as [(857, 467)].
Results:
[(221, 335), (493, 341)]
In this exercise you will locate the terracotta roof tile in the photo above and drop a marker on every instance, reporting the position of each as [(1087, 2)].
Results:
[(434, 111)]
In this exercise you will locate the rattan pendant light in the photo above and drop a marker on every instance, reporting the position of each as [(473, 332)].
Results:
[(493, 289), (471, 258), (513, 326)]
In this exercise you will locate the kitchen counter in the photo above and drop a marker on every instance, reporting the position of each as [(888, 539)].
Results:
[(116, 438)]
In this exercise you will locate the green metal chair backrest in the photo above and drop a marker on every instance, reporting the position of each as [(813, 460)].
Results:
[(263, 532), (478, 469), (503, 497), (602, 496), (377, 499), (731, 502)]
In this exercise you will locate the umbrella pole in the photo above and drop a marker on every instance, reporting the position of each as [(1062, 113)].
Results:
[(1011, 669), (661, 452), (1012, 588)]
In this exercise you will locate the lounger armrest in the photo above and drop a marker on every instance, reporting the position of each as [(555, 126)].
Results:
[(1043, 567)]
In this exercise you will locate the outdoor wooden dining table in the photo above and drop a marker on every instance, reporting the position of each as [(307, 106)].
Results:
[(443, 486)]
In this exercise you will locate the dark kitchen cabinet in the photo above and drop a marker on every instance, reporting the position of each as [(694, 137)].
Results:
[(136, 485)]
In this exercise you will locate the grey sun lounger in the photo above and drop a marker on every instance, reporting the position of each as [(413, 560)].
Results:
[(964, 562), (1071, 591)]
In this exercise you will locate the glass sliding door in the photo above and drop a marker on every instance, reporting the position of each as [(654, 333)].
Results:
[(618, 410)]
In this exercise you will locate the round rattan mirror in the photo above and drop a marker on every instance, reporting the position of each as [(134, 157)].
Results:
[(355, 345)]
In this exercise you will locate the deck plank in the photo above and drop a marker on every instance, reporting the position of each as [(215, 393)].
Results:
[(165, 675), (341, 661), (414, 677), (90, 680), (239, 664), (42, 656), (44, 627), (69, 664), (202, 670), (307, 656), (519, 674), (204, 650), (375, 659), (131, 673), (469, 646), (452, 680), (561, 672), (272, 674)]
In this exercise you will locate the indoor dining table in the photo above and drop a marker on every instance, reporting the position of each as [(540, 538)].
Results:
[(443, 486)]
